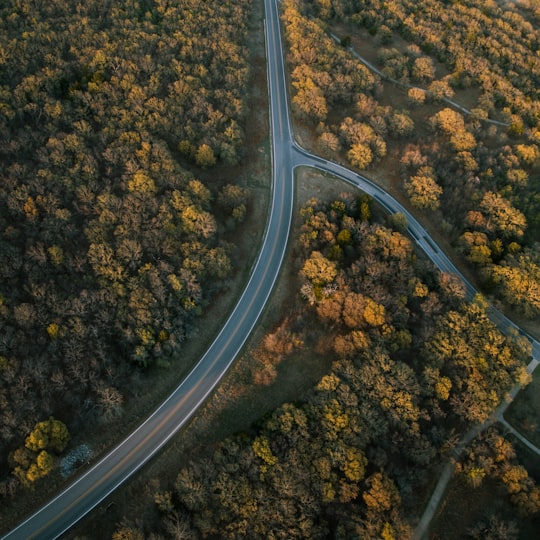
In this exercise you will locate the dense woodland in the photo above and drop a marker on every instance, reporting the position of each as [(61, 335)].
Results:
[(413, 366), (477, 179), (110, 246)]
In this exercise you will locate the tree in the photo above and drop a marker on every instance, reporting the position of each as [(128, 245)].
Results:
[(232, 195), (399, 222), (529, 154), (205, 156), (360, 156), (353, 310), (479, 361), (198, 222), (501, 216), (329, 308), (374, 313), (128, 533), (234, 199), (416, 96), (462, 141), (328, 143), (142, 183), (423, 69), (319, 270), (448, 121), (35, 461), (109, 400), (518, 281), (41, 467), (401, 125), (423, 190), (94, 251), (310, 100), (494, 529), (49, 434), (438, 90), (382, 495)]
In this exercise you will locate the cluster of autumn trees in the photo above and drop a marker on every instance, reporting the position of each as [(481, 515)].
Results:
[(485, 45), (413, 365), (36, 458), (491, 456), (110, 246), (478, 179)]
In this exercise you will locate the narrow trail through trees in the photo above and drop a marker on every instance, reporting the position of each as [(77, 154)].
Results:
[(385, 77)]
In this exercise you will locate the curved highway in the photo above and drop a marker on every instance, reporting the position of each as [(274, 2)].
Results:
[(85, 493), (303, 158), (89, 490)]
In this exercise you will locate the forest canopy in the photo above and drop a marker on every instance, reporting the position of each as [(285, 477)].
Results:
[(472, 171), (110, 243), (413, 365)]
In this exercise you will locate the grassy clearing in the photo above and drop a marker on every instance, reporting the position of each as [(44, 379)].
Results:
[(464, 506), (524, 413)]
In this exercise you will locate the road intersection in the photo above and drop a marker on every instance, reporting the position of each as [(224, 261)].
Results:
[(123, 461)]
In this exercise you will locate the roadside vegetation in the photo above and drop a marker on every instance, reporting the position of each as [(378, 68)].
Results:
[(493, 491), (471, 169), (523, 414), (354, 454), (114, 236)]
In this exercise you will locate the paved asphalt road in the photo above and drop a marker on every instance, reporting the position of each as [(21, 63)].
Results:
[(85, 493), (92, 487), (303, 158)]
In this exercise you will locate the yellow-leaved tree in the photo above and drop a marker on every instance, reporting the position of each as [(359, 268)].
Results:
[(36, 460)]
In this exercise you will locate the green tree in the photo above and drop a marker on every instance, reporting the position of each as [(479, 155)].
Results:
[(398, 221)]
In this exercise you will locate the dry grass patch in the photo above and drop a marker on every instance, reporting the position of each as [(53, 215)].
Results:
[(524, 413)]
